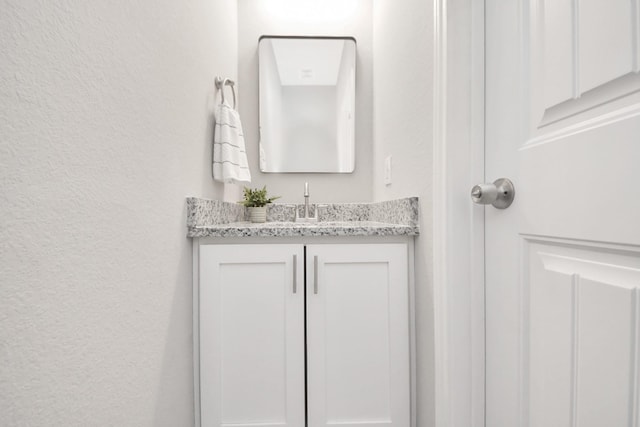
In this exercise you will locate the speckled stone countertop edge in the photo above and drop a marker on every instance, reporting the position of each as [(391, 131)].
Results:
[(303, 230), (214, 218)]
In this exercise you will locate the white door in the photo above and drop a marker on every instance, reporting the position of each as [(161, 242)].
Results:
[(252, 335), (563, 262), (358, 335)]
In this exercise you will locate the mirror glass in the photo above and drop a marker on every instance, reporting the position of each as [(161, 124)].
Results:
[(307, 104)]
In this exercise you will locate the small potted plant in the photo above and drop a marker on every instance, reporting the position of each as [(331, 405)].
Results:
[(256, 200)]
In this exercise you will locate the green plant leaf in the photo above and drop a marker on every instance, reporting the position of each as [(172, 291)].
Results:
[(254, 197)]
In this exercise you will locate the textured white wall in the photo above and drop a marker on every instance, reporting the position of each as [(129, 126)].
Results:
[(403, 129), (105, 127), (256, 18)]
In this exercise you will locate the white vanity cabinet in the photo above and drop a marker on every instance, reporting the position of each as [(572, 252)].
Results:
[(251, 310), (278, 347)]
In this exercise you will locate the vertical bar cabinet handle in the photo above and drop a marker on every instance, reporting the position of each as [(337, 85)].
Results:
[(295, 274), (315, 274)]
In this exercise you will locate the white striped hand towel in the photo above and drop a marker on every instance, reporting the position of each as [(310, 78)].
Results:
[(229, 155)]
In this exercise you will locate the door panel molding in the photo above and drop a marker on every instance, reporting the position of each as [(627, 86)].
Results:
[(614, 90), (587, 125), (602, 272), (580, 312), (579, 61), (606, 42)]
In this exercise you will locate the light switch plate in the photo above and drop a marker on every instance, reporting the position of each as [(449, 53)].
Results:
[(387, 170)]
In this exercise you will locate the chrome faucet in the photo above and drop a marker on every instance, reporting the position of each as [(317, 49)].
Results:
[(306, 217)]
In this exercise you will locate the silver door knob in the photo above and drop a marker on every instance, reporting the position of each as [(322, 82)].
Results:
[(500, 194)]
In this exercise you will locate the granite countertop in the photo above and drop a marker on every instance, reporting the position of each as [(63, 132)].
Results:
[(214, 218)]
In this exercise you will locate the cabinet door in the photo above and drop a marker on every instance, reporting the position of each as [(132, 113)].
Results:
[(251, 335), (358, 335)]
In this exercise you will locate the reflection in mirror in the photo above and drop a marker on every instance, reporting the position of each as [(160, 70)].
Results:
[(307, 104)]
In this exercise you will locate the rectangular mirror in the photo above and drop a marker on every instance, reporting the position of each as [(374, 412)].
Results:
[(307, 104)]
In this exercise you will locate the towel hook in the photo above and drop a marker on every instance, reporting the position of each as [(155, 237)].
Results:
[(220, 84)]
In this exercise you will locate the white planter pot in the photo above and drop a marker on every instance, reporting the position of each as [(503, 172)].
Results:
[(258, 214)]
